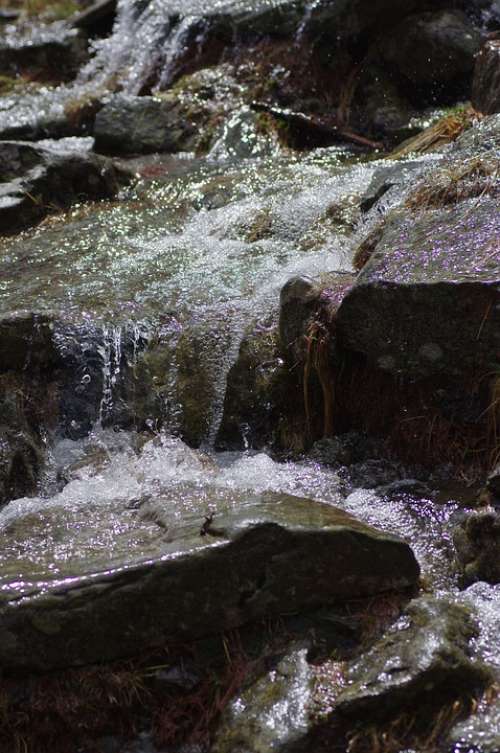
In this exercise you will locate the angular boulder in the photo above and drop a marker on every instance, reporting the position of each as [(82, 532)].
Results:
[(169, 572), (420, 665), (139, 125), (428, 299), (486, 84)]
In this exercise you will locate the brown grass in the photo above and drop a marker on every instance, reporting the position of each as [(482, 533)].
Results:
[(474, 178)]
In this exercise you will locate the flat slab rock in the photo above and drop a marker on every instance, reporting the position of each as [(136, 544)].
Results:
[(428, 300), (96, 582)]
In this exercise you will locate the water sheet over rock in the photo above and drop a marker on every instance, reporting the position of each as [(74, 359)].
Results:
[(96, 582)]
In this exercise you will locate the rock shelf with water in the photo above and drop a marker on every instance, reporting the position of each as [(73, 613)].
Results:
[(175, 575)]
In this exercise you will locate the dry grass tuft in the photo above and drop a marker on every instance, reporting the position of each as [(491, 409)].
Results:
[(474, 178)]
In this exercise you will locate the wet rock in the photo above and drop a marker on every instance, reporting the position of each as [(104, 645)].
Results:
[(241, 138), (33, 114), (138, 125), (256, 386), (273, 713), (259, 556), (483, 139), (38, 178), (396, 175), (477, 544), (423, 662), (301, 300), (486, 85), (494, 482), (480, 732), (55, 51), (434, 52), (96, 17), (26, 400), (427, 300), (21, 458)]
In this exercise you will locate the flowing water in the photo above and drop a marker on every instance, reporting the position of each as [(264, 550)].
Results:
[(196, 245)]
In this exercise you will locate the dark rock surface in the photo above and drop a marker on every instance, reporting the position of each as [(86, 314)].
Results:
[(260, 557), (427, 300), (138, 125), (416, 667), (477, 544), (55, 51), (486, 85), (434, 52), (35, 179), (26, 353), (256, 387)]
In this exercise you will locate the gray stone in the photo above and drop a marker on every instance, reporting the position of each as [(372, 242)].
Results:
[(486, 85), (80, 597), (422, 662), (428, 299), (138, 125), (398, 175)]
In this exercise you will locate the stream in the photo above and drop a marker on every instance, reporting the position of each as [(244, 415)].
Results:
[(191, 258)]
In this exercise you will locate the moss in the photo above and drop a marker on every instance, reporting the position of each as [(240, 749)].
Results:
[(50, 9)]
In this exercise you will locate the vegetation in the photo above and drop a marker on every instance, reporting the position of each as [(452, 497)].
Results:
[(49, 9)]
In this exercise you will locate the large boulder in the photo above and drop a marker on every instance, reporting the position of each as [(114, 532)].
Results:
[(434, 52), (427, 301), (486, 85), (172, 572)]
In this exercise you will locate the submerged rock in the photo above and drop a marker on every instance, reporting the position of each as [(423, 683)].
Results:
[(486, 85), (419, 665), (34, 179), (66, 601)]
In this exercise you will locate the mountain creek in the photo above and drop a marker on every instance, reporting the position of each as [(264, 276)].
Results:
[(250, 376)]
